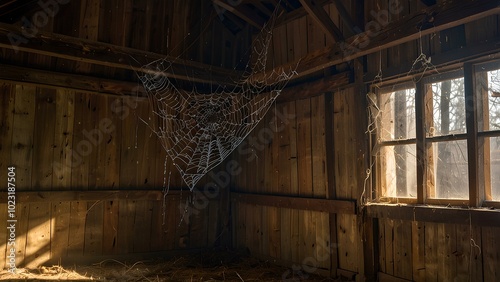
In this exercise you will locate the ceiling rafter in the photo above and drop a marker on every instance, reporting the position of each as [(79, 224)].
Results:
[(320, 16), (398, 32), (109, 55), (243, 12), (344, 15)]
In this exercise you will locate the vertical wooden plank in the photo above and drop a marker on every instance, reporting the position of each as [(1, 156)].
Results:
[(403, 250), (304, 167), (142, 222), (96, 133), (447, 250), (491, 256), (463, 252), (7, 106), (381, 245), (126, 212), (89, 27), (418, 250), (22, 135), (22, 216), (389, 246), (79, 175), (4, 263), (77, 216), (61, 176), (476, 195), (21, 158), (284, 184), (294, 185), (93, 228), (319, 176), (38, 236), (431, 251), (111, 175)]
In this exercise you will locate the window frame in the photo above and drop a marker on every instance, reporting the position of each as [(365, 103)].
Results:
[(479, 195)]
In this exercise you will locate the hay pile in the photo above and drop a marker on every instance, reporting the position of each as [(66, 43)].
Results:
[(210, 266)]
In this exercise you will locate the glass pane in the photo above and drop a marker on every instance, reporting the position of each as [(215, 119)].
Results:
[(495, 168), (399, 171), (397, 115), (449, 170), (448, 108), (488, 89)]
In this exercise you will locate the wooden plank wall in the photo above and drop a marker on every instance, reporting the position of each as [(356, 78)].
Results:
[(62, 140), (294, 163), (422, 251), (65, 140)]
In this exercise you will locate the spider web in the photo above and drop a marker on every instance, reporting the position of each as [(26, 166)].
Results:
[(198, 131)]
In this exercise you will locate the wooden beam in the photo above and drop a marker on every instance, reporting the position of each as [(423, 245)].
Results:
[(92, 195), (315, 88), (443, 62), (296, 14), (344, 15), (87, 51), (309, 204), (49, 79), (475, 196), (319, 15), (445, 16), (438, 214), (242, 12)]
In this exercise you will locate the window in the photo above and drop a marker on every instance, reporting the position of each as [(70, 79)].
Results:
[(487, 89), (445, 128), (396, 137), (438, 140)]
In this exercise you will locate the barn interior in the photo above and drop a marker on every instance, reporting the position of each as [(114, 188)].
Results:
[(342, 140)]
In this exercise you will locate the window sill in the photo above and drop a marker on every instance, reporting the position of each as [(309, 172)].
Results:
[(438, 214)]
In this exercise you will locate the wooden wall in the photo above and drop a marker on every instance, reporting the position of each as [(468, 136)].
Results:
[(434, 251), (294, 162), (73, 142)]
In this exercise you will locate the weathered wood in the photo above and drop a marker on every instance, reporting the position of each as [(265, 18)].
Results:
[(318, 13), (296, 14), (92, 195), (104, 54), (389, 278), (300, 203), (476, 194), (22, 135), (395, 33), (243, 12), (38, 235), (438, 214)]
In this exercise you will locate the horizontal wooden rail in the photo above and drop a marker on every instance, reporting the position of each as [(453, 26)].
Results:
[(91, 195), (85, 83), (299, 203), (104, 54), (434, 19), (438, 214), (316, 87)]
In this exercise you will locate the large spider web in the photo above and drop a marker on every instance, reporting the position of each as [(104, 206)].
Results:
[(198, 131)]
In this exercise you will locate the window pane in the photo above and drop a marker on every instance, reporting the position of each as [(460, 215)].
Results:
[(448, 108), (399, 171), (450, 170), (494, 99), (495, 168), (397, 115), (488, 89)]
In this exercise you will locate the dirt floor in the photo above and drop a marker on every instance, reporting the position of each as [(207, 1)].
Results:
[(213, 266)]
